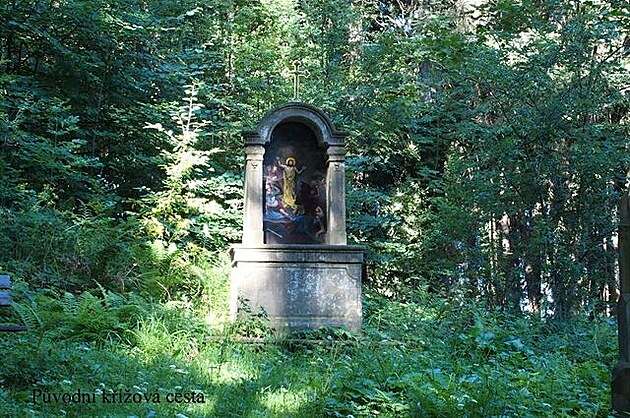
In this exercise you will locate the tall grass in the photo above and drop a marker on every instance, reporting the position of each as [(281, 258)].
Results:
[(428, 357)]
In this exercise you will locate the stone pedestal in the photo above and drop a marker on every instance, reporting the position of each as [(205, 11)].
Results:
[(305, 286), (620, 383)]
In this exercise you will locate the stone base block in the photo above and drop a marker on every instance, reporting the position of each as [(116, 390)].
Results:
[(300, 286), (620, 387)]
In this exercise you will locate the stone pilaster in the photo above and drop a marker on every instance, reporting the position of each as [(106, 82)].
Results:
[(620, 383), (253, 213), (336, 196)]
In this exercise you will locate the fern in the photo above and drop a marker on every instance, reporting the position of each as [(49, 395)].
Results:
[(28, 316), (69, 303)]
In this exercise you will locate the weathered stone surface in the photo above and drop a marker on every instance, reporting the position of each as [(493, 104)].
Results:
[(620, 383), (300, 286), (620, 387)]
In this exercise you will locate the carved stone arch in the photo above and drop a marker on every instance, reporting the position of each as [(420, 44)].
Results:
[(309, 115)]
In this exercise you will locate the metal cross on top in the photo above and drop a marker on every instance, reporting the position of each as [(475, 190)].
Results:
[(296, 78)]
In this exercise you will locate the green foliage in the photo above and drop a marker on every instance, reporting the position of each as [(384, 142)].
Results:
[(487, 145), (539, 152), (490, 157), (438, 359), (195, 205), (251, 323), (427, 356), (487, 149)]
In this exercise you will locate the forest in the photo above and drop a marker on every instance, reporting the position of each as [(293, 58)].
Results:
[(488, 149)]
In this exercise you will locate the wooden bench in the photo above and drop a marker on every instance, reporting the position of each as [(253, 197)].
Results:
[(5, 302)]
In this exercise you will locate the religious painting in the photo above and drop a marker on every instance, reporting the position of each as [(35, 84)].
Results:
[(293, 177)]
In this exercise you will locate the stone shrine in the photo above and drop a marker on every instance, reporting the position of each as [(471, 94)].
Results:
[(294, 261)]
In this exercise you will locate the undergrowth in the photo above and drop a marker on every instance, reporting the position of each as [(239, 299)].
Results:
[(428, 357)]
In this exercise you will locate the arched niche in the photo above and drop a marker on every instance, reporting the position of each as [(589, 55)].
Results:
[(296, 145), (294, 180)]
